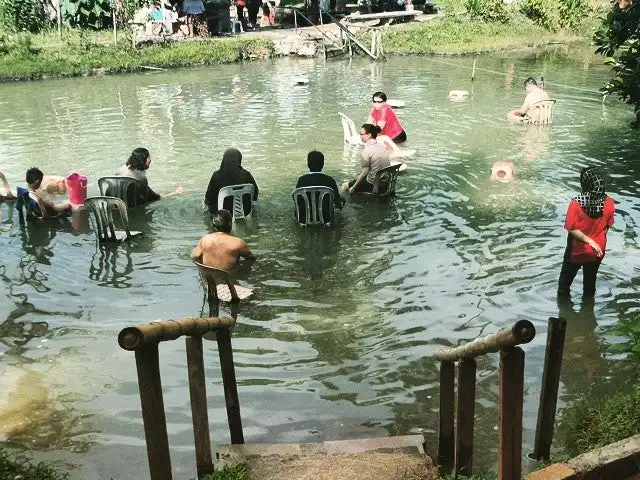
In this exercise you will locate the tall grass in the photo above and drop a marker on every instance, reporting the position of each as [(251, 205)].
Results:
[(20, 467)]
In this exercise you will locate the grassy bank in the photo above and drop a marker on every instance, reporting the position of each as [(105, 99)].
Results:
[(18, 467), (455, 36), (27, 58)]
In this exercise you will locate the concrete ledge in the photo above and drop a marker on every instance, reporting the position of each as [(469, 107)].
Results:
[(616, 461), (402, 444)]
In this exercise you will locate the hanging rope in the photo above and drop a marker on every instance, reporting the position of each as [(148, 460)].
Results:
[(514, 76)]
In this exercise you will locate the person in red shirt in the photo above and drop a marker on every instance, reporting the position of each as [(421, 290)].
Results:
[(589, 217), (383, 116)]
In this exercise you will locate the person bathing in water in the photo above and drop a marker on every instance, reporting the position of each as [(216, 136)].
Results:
[(220, 249), (503, 172), (383, 116), (34, 179), (374, 157), (534, 94)]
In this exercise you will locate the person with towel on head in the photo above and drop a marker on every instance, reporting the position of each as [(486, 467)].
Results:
[(589, 217)]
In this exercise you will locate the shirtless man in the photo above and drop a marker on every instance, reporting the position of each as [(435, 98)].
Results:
[(34, 179), (534, 94), (220, 249)]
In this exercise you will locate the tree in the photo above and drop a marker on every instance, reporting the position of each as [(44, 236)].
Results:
[(619, 41)]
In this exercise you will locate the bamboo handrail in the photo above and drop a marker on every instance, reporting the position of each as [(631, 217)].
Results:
[(522, 332), (135, 338)]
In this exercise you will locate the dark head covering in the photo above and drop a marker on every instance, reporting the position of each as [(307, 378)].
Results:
[(593, 197), (231, 160)]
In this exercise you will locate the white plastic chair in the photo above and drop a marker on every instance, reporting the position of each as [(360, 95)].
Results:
[(101, 212), (218, 286), (350, 134), (314, 198), (544, 111), (237, 192)]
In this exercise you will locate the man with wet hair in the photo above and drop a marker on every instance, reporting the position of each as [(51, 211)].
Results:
[(220, 249), (535, 94), (35, 181)]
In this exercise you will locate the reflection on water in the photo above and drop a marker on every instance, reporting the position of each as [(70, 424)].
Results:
[(338, 340)]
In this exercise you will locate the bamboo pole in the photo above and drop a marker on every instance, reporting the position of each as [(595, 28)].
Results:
[(550, 385), (522, 332), (465, 417), (446, 435), (473, 71), (511, 395), (134, 338), (153, 416), (199, 413), (115, 29), (230, 386)]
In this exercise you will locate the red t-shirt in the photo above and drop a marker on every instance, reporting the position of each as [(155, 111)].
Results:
[(594, 228), (392, 127)]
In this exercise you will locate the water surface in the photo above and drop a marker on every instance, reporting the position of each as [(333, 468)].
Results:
[(338, 341)]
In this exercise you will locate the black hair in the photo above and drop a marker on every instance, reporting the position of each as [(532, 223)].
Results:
[(380, 95), (222, 221), (372, 130), (138, 159), (34, 175), (530, 81), (315, 161)]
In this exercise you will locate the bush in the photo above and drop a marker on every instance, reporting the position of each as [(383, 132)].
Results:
[(619, 40), (19, 467), (487, 10), (18, 45), (553, 14), (597, 420), (22, 16), (94, 14)]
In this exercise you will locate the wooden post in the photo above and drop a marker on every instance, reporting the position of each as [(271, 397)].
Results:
[(60, 20), (295, 19), (446, 435), (230, 385), (199, 413), (155, 422), (511, 389), (115, 28), (473, 70), (465, 417), (550, 384)]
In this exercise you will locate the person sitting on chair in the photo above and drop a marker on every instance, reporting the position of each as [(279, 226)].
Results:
[(383, 116), (136, 167), (315, 178), (374, 157), (526, 112), (230, 173), (34, 178), (220, 249)]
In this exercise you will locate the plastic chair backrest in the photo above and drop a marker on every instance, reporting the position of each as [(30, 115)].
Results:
[(392, 174), (124, 188), (314, 198), (237, 192), (211, 277), (26, 209), (349, 131), (101, 211), (545, 111)]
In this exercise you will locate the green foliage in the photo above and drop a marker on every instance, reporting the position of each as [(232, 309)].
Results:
[(127, 10), (19, 467), (237, 472), (86, 13), (630, 329), (597, 420), (487, 10), (17, 45), (22, 16), (618, 40), (554, 14)]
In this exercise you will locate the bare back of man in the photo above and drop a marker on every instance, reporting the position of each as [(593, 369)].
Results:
[(221, 250)]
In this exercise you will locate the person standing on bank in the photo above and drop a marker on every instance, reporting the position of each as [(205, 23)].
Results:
[(192, 8), (383, 116), (589, 217)]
